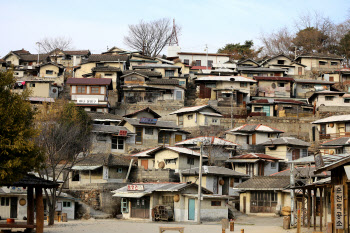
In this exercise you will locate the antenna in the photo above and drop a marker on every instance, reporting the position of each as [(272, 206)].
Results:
[(173, 37)]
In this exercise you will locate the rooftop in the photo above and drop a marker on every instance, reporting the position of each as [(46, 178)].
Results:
[(285, 141), (194, 109), (207, 141), (255, 128), (273, 78), (265, 183), (89, 81), (254, 156), (226, 79), (339, 118), (213, 170), (107, 58)]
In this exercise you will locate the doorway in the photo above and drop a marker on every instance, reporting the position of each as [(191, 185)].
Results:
[(191, 208), (140, 207), (13, 209)]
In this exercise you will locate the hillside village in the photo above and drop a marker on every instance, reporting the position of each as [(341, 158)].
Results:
[(256, 125)]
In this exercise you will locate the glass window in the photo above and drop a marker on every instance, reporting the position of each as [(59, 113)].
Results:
[(281, 84), (95, 90), (243, 84), (66, 204), (210, 63), (190, 117), (333, 63), (139, 132), (198, 62), (163, 137), (81, 89), (190, 161), (215, 203), (49, 71), (5, 201), (124, 205), (186, 61), (329, 98), (273, 165), (280, 62), (169, 73), (149, 131), (117, 143), (322, 63), (120, 170)]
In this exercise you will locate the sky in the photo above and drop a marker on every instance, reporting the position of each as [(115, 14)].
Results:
[(96, 25)]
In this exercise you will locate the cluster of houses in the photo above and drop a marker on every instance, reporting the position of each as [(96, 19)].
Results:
[(144, 111)]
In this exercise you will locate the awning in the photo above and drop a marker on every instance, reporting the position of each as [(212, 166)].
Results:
[(242, 160), (85, 168), (131, 194)]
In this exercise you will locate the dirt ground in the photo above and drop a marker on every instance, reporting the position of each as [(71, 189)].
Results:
[(250, 224)]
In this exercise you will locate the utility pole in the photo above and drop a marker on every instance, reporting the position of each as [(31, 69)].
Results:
[(292, 194), (206, 48), (200, 184), (232, 108), (38, 43)]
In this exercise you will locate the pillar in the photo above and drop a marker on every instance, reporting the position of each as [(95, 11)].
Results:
[(321, 208), (314, 207), (303, 207), (30, 206), (39, 210), (309, 207)]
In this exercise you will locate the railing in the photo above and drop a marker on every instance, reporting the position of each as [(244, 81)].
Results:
[(334, 135)]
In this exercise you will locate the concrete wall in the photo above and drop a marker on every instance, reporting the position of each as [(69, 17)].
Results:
[(153, 175), (43, 70), (41, 89), (266, 89)]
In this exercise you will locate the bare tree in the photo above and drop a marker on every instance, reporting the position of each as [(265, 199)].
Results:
[(53, 45), (151, 37), (65, 140), (277, 42)]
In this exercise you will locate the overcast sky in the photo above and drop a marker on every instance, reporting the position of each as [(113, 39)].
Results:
[(95, 25)]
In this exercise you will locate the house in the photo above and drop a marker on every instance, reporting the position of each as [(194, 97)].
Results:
[(139, 199), (304, 88), (331, 127), (280, 107), (204, 115), (248, 63), (169, 157), (264, 195), (329, 98), (97, 60), (284, 62), (301, 172), (111, 139), (99, 168), (218, 150), (274, 86), (249, 135), (24, 58), (90, 93), (109, 72), (252, 71), (69, 58), (137, 59), (52, 71), (254, 164), (103, 118), (167, 70), (14, 203), (219, 180), (43, 88), (286, 148), (149, 131), (321, 65), (225, 90), (336, 146)]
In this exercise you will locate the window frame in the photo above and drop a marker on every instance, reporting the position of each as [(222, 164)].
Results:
[(139, 130), (48, 71), (98, 90), (215, 203), (79, 89), (115, 142), (148, 130)]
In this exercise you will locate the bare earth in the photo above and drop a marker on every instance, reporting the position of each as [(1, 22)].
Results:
[(250, 224)]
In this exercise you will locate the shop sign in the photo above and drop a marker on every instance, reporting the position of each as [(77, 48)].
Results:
[(87, 101), (339, 207), (136, 187)]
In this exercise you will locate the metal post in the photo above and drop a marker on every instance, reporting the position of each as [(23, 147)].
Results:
[(232, 109), (206, 48), (200, 186), (292, 194)]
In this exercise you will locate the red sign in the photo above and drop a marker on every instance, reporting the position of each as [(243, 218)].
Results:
[(136, 187), (122, 133)]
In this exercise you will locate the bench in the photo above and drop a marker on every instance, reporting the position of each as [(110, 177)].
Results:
[(180, 229), (28, 227)]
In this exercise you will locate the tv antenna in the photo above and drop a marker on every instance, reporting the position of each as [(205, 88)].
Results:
[(173, 38)]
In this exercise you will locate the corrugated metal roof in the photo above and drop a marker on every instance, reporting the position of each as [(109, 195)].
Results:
[(265, 183), (85, 168), (285, 141), (110, 129), (194, 109), (254, 156), (207, 141), (255, 128), (211, 114), (226, 79), (337, 142), (339, 118), (213, 170), (89, 81)]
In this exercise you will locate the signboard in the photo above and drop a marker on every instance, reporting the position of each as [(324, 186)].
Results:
[(339, 207), (136, 187), (122, 133), (87, 101), (151, 121)]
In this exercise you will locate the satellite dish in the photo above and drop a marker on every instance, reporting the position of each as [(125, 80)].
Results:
[(161, 165)]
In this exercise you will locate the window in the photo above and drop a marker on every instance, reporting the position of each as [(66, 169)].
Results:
[(169, 73), (186, 61), (108, 74), (190, 117), (163, 137), (215, 203), (117, 143), (95, 90), (32, 85), (149, 131), (66, 204), (5, 201), (243, 84), (210, 63), (322, 63), (124, 205), (49, 71), (182, 82), (329, 98), (214, 120), (281, 84), (258, 109), (250, 75), (304, 153), (190, 161), (81, 89), (120, 170), (99, 64), (138, 138), (270, 135), (346, 100), (306, 86), (334, 63), (280, 62), (198, 63), (75, 176), (210, 85), (273, 165)]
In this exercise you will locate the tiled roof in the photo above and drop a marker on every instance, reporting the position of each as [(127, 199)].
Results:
[(148, 73), (147, 109), (33, 57), (107, 57), (146, 66), (302, 172), (20, 52), (245, 60), (77, 52), (337, 142), (273, 78), (254, 128), (265, 183), (255, 156), (313, 81), (212, 170), (109, 129), (277, 101), (321, 55), (159, 124), (194, 109), (105, 160), (285, 141), (105, 68), (245, 68), (163, 82), (104, 116), (181, 150), (89, 81), (32, 180), (226, 78), (339, 118), (207, 141)]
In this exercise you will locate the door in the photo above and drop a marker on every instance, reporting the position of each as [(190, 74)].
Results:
[(239, 99), (181, 120), (215, 185), (178, 138), (225, 187), (331, 79), (13, 209), (253, 139), (266, 109), (191, 208), (140, 208), (244, 205), (178, 95), (347, 129), (300, 71), (295, 154), (144, 163), (204, 92)]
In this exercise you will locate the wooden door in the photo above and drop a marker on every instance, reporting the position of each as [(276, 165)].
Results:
[(239, 99), (244, 205), (278, 74), (295, 154), (225, 187), (13, 209), (204, 92), (144, 163), (331, 79), (178, 138), (300, 71), (191, 208), (253, 139), (140, 208)]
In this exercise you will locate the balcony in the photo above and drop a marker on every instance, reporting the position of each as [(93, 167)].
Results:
[(334, 135)]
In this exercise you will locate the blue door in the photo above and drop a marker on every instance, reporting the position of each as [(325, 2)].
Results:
[(191, 209), (267, 110)]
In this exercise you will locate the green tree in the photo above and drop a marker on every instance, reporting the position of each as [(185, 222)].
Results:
[(344, 47), (310, 40), (241, 51), (65, 138), (18, 152)]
